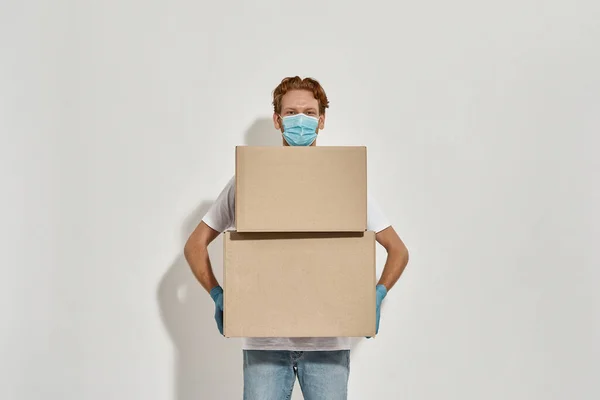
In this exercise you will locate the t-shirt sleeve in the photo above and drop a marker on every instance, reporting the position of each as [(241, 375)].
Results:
[(221, 214), (376, 219)]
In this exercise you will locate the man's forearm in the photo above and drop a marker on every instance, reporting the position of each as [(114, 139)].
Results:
[(199, 261), (395, 263)]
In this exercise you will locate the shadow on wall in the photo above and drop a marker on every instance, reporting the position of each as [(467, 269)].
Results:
[(206, 365), (263, 133)]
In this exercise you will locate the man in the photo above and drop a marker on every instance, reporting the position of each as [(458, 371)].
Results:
[(271, 365)]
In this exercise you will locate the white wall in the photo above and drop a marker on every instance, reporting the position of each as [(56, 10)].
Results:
[(118, 122)]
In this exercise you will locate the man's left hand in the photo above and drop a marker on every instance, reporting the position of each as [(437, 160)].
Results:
[(380, 293)]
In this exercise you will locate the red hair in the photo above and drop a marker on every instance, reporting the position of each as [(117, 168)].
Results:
[(297, 83)]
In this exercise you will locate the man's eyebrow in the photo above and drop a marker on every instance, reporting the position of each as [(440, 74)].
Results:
[(296, 109)]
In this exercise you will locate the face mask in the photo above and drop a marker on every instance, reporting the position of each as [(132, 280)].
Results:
[(300, 129)]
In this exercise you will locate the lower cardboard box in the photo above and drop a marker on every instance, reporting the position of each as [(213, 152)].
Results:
[(299, 284)]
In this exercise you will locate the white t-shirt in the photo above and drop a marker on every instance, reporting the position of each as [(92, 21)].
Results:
[(221, 217)]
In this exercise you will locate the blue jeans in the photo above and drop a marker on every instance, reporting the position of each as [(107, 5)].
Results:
[(270, 375)]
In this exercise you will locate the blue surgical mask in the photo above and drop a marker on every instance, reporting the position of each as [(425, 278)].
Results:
[(300, 129)]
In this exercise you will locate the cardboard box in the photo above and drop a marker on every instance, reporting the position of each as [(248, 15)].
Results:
[(301, 189), (299, 284)]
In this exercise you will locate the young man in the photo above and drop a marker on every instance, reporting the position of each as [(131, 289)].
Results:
[(272, 364)]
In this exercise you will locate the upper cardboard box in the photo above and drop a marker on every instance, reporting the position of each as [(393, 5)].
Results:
[(301, 189)]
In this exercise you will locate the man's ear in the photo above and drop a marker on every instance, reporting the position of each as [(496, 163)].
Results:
[(321, 121), (276, 121)]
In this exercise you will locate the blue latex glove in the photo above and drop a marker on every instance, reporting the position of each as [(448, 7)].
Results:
[(380, 293), (217, 295)]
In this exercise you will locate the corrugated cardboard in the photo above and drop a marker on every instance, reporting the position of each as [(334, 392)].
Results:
[(299, 284), (301, 189)]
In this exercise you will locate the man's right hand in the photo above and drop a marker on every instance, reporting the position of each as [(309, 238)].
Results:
[(217, 295)]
